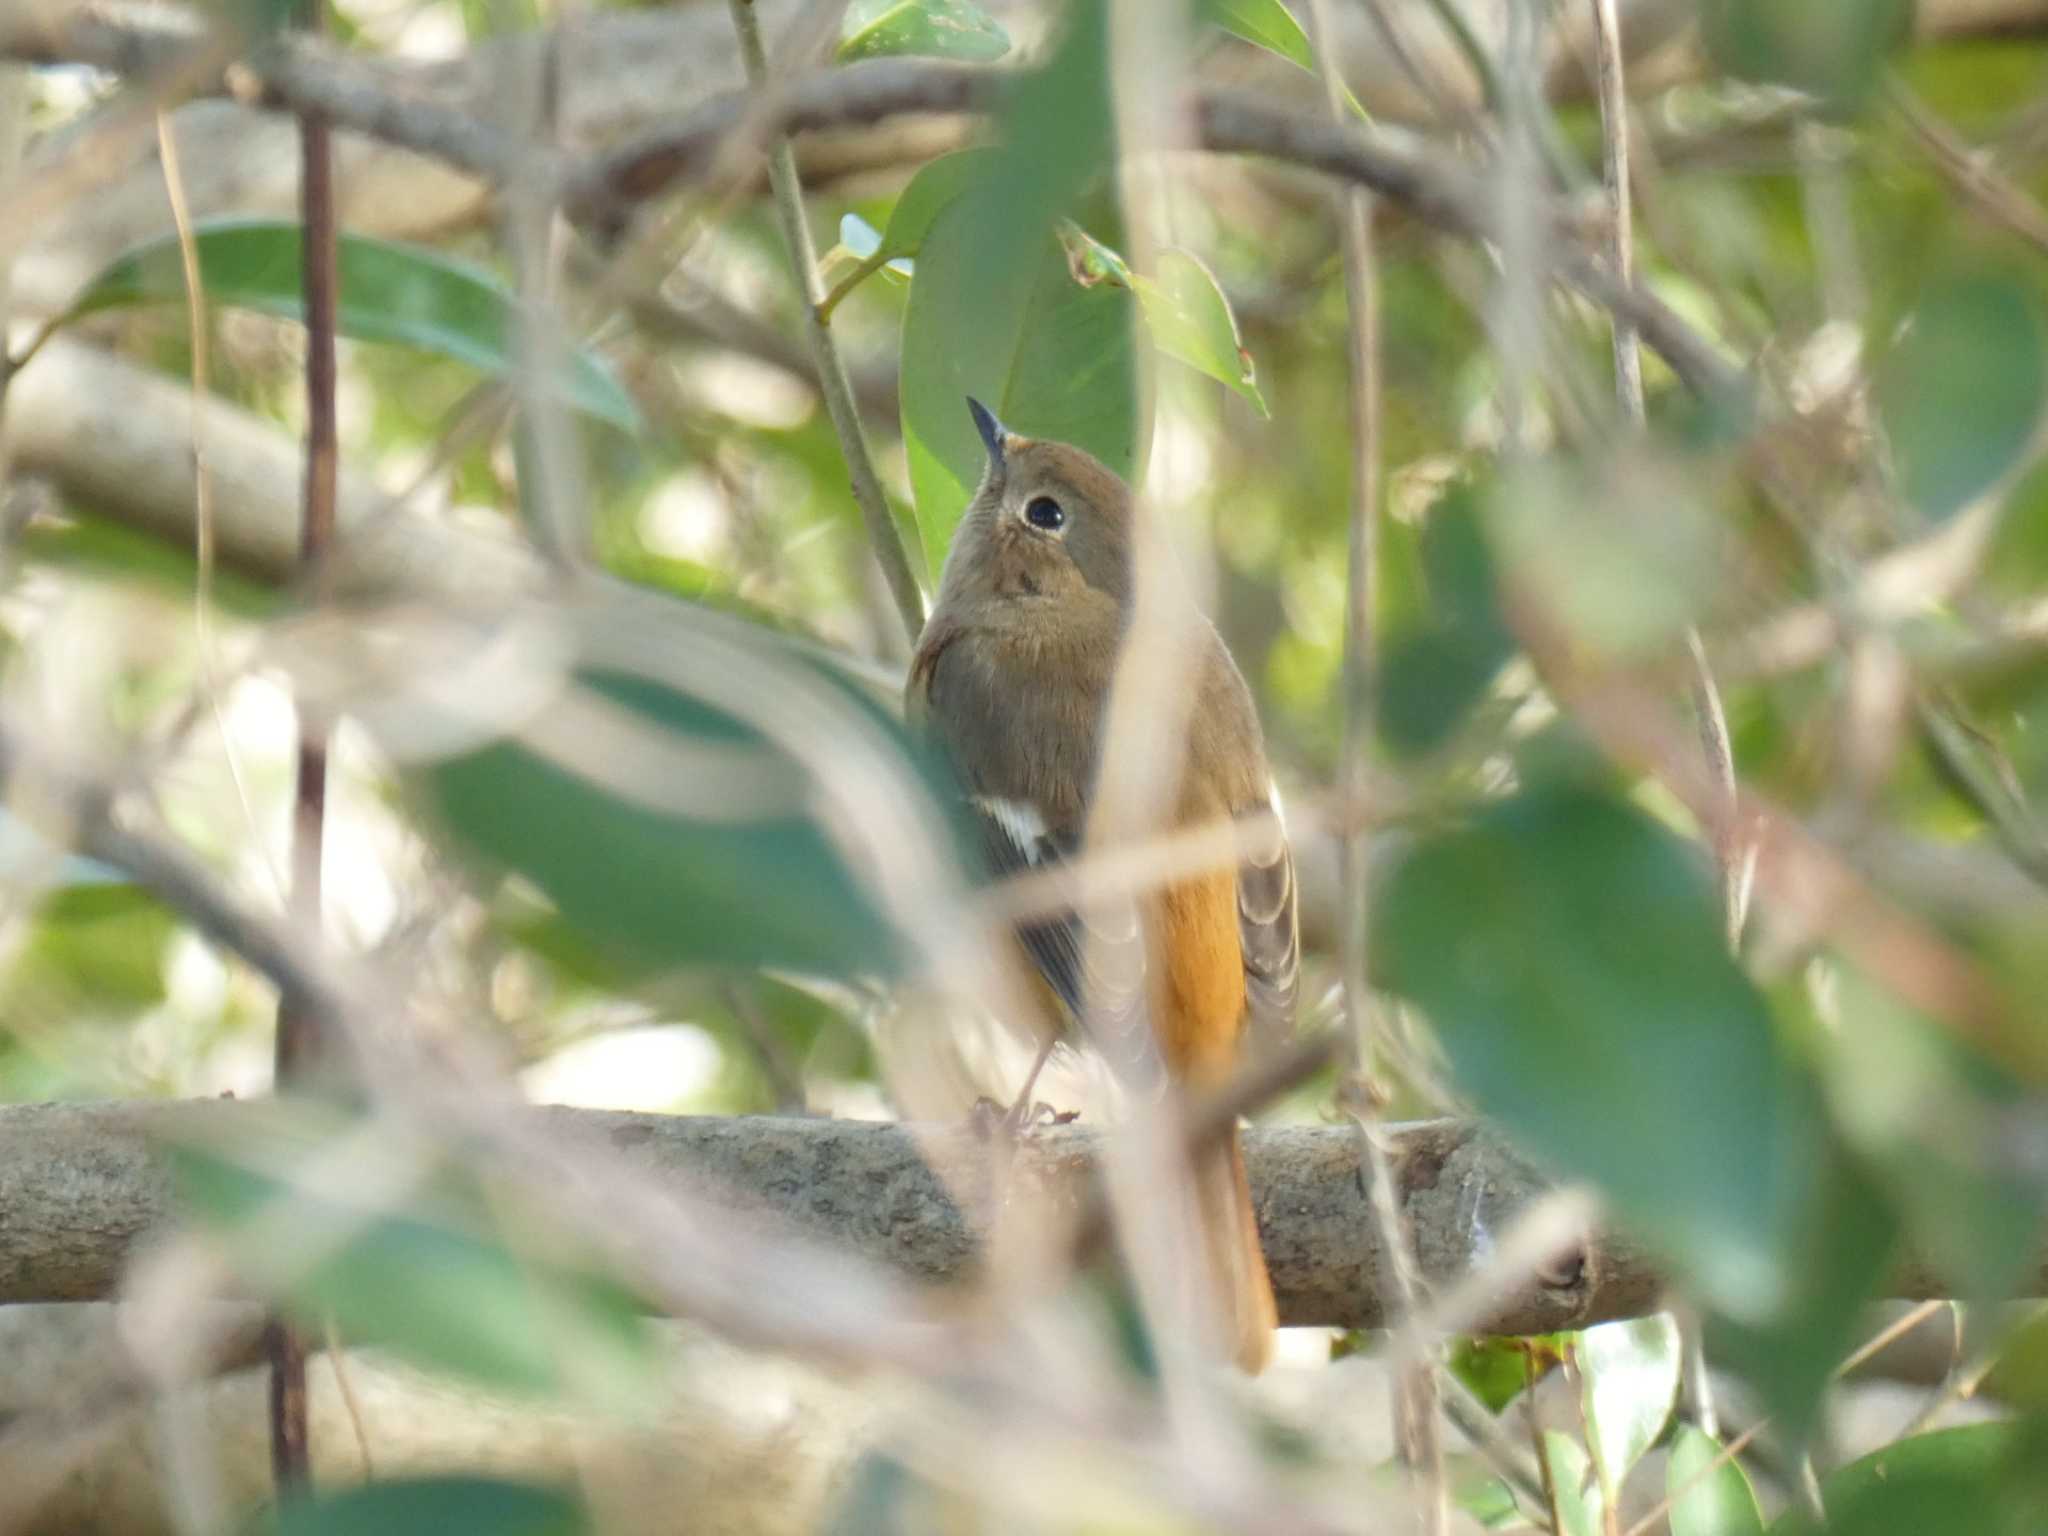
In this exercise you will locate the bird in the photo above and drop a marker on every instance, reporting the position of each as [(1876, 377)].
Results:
[(1011, 679)]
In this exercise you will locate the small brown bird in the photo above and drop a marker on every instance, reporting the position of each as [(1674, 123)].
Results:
[(1012, 676)]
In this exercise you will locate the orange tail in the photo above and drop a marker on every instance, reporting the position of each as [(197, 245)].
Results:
[(1237, 1264)]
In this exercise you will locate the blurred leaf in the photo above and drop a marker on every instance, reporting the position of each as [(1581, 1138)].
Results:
[(1487, 1499), (1838, 1261), (418, 1279), (1704, 1503), (1066, 369), (431, 1506), (1568, 951), (1185, 311), (1833, 49), (107, 550), (1954, 443), (1497, 1369), (1265, 24), (937, 29), (389, 293), (1953, 1480), (92, 948), (1628, 1383), (704, 847), (1578, 1492), (1436, 669)]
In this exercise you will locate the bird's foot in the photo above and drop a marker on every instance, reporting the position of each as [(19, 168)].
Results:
[(991, 1119)]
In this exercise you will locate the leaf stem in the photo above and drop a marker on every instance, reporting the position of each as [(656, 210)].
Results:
[(868, 267)]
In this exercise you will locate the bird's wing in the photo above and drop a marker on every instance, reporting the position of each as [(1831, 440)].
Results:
[(1268, 922), (1095, 963)]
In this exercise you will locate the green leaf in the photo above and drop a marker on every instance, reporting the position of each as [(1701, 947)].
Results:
[(1972, 1481), (702, 847), (1954, 441), (993, 309), (1628, 1384), (1065, 368), (1833, 49), (1568, 951), (420, 1279), (1838, 1261), (1186, 314), (1436, 670), (937, 29), (930, 193), (95, 947), (1578, 1492), (389, 293), (1497, 1369), (432, 1506), (1265, 24), (1704, 1503)]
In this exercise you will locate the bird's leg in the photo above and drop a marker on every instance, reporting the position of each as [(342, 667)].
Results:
[(990, 1116)]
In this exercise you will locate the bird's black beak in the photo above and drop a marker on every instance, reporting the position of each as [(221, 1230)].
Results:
[(991, 430)]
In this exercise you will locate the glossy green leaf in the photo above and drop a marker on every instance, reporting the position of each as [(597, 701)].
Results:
[(1955, 441), (933, 190), (422, 1280), (452, 1505), (1498, 1369), (1568, 951), (1971, 1481), (994, 311), (1717, 1502), (400, 294), (1577, 1490), (936, 29), (1628, 1384), (1833, 49), (1065, 369), (1186, 315), (1265, 24)]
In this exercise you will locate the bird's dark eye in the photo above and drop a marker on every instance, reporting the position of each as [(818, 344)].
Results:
[(1044, 512)]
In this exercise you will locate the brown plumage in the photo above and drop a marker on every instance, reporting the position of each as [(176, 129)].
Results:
[(1012, 676)]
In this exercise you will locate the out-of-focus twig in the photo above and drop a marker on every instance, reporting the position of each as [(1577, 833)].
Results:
[(1970, 171), (803, 259), (1416, 1401)]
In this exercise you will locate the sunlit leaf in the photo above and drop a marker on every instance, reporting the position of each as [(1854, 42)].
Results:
[(400, 294), (1628, 1383), (1265, 24), (1579, 1503), (1186, 315), (1954, 441), (431, 1506), (423, 1279), (938, 29), (1717, 1502), (96, 947), (1497, 1369), (1833, 49), (1568, 951)]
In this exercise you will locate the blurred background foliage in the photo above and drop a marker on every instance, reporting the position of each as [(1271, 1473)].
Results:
[(1852, 216)]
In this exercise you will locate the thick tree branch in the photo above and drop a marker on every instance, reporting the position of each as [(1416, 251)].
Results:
[(87, 1185)]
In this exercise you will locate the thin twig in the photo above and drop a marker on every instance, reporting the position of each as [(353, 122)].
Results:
[(787, 191), (1969, 170), (1416, 1398), (1724, 827), (299, 1043)]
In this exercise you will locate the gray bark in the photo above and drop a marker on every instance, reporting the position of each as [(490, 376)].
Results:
[(86, 1183)]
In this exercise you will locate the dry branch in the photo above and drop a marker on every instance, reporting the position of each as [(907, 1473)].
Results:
[(87, 1185)]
